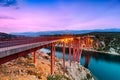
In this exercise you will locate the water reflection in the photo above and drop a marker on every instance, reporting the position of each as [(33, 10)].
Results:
[(101, 56), (87, 60), (103, 66)]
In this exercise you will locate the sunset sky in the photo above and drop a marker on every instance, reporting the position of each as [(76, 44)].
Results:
[(50, 15)]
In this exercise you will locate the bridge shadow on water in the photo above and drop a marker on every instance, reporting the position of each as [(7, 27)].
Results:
[(100, 56), (103, 66)]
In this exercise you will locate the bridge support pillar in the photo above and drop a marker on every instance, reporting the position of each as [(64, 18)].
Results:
[(52, 58), (63, 57), (79, 55), (79, 50), (69, 52), (34, 57), (54, 52), (74, 50)]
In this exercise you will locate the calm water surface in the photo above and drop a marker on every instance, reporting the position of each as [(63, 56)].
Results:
[(102, 66)]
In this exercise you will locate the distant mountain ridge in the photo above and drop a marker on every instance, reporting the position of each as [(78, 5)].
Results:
[(5, 35), (33, 34)]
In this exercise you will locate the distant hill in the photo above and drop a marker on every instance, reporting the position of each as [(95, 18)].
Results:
[(32, 34), (6, 36), (108, 41)]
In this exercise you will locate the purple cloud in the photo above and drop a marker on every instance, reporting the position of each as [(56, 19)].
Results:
[(43, 16), (7, 17)]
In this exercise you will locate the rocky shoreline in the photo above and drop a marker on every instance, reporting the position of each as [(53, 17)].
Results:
[(23, 68), (87, 51)]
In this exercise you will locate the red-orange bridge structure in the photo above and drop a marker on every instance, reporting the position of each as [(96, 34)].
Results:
[(13, 49)]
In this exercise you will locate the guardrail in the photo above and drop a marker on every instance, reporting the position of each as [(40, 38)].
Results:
[(26, 41)]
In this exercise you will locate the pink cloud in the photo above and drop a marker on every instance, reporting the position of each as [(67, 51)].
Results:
[(36, 18)]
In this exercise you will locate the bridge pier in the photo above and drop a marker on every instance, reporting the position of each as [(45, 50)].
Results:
[(52, 58), (80, 50), (64, 57), (77, 46), (54, 52), (77, 49), (79, 54), (74, 51), (69, 44), (34, 57)]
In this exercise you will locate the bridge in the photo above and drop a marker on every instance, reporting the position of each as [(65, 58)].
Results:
[(13, 49)]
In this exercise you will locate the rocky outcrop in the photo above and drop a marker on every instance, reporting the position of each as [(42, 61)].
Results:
[(23, 68), (78, 72)]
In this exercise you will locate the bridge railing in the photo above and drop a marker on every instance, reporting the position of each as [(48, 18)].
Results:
[(26, 41)]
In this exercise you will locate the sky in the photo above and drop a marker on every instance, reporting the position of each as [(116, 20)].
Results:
[(52, 15)]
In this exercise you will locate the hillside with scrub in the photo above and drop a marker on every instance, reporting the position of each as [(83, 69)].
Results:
[(107, 41)]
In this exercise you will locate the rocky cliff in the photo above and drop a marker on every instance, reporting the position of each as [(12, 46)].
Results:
[(106, 41), (24, 69)]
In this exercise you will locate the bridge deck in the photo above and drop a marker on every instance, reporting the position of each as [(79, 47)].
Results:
[(7, 51)]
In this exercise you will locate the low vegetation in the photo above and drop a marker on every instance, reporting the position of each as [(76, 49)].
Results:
[(107, 41), (57, 77)]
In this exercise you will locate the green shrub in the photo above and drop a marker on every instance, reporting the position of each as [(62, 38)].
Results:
[(57, 77)]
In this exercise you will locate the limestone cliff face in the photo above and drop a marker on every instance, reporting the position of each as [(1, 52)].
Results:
[(107, 41), (23, 68), (78, 72), (112, 46)]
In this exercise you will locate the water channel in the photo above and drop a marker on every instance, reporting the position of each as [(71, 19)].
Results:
[(102, 66)]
